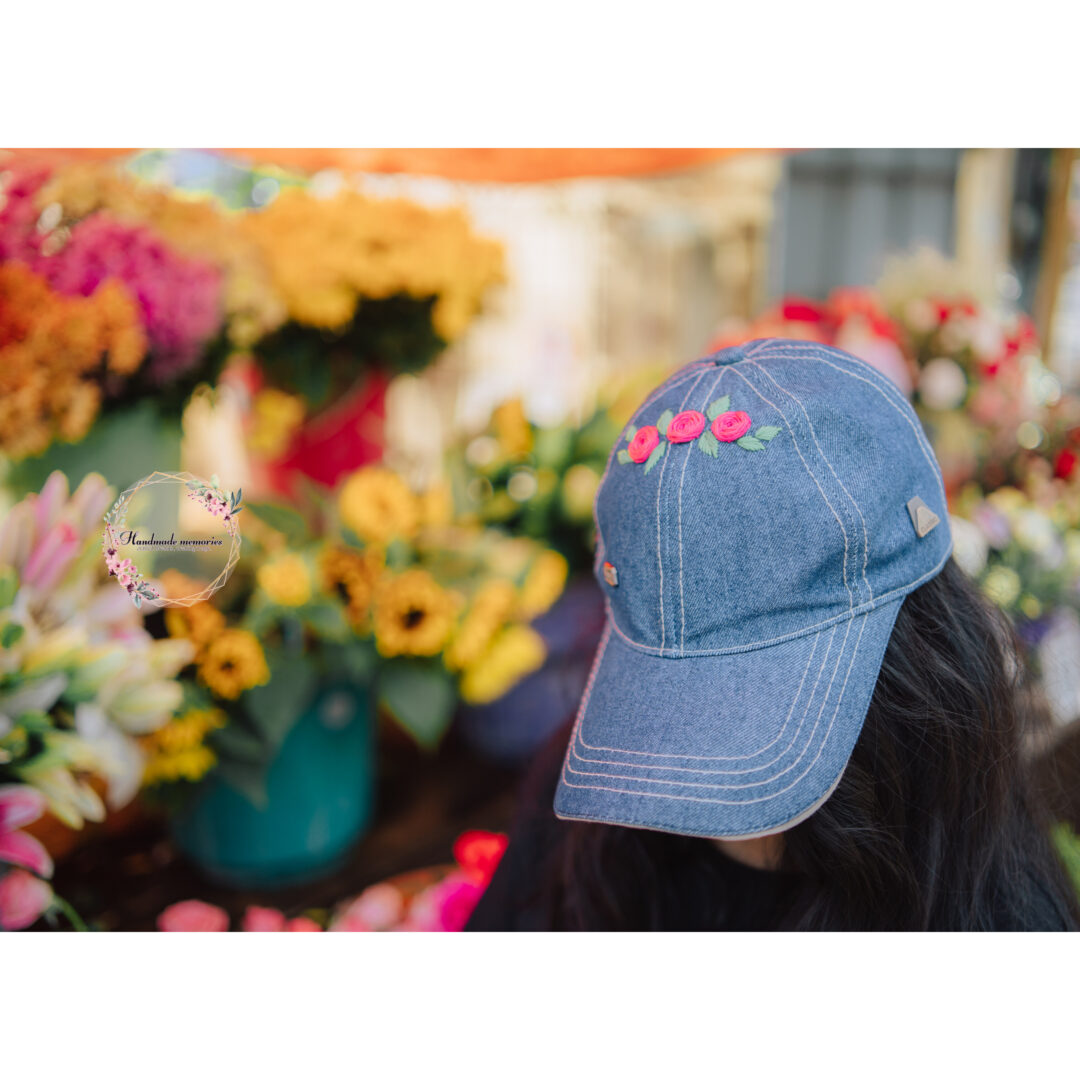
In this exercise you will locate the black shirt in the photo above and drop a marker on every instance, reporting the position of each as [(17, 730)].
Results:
[(696, 886), (699, 877)]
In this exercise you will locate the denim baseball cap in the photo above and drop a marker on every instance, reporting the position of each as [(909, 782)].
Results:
[(759, 524)]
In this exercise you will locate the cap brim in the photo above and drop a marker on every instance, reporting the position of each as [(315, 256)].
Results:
[(727, 746)]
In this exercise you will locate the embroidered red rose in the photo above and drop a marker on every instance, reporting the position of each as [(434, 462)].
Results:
[(729, 426), (644, 442), (686, 427)]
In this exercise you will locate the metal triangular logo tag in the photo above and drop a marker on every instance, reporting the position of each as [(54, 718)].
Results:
[(922, 517)]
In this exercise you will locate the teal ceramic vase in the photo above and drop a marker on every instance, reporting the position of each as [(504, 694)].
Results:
[(320, 794)]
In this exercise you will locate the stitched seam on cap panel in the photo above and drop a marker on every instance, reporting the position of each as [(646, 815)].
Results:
[(757, 768), (676, 380), (580, 738), (813, 435), (725, 802), (600, 650), (682, 479), (750, 646), (711, 834), (795, 442), (659, 534), (805, 352)]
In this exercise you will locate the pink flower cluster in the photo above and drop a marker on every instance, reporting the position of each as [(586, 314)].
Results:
[(24, 896), (19, 238), (127, 573), (214, 502), (686, 427), (196, 916), (179, 297), (444, 906)]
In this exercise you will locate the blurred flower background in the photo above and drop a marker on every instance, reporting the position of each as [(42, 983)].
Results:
[(415, 365)]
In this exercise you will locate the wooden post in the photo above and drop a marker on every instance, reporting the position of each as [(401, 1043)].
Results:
[(1055, 247)]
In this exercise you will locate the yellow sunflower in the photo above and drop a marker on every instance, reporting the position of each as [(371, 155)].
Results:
[(200, 624), (378, 506), (512, 428), (491, 607), (353, 575), (543, 584), (286, 580), (233, 662), (177, 751), (515, 652), (276, 416), (413, 615)]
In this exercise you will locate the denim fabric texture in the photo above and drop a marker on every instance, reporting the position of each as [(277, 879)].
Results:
[(757, 589)]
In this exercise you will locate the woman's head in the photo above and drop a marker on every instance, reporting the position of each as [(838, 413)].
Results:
[(931, 826), (759, 525)]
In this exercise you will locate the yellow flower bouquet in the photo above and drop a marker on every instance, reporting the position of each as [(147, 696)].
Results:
[(378, 588)]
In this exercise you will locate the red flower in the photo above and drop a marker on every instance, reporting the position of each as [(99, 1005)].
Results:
[(1065, 465), (644, 443), (478, 853), (795, 309), (686, 427), (729, 426)]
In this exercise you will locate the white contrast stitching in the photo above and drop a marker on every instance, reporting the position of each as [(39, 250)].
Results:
[(682, 478), (869, 605), (727, 757), (725, 802), (737, 772), (795, 443), (804, 352), (813, 435), (676, 380), (659, 490)]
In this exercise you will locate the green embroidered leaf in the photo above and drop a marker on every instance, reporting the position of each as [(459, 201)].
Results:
[(655, 456), (748, 442), (631, 431), (709, 443), (665, 419), (720, 405), (766, 433), (624, 457)]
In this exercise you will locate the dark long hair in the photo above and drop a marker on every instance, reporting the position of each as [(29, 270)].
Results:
[(932, 827)]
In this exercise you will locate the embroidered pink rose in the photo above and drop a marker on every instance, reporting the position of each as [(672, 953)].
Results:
[(729, 426), (644, 442), (686, 427)]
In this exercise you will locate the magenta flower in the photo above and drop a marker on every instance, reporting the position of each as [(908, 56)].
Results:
[(729, 426), (261, 920), (52, 557), (193, 916), (378, 907), (686, 427), (23, 899), (179, 297), (644, 442), (20, 805)]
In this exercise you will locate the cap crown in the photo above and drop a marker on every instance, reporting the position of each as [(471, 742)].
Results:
[(788, 511)]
